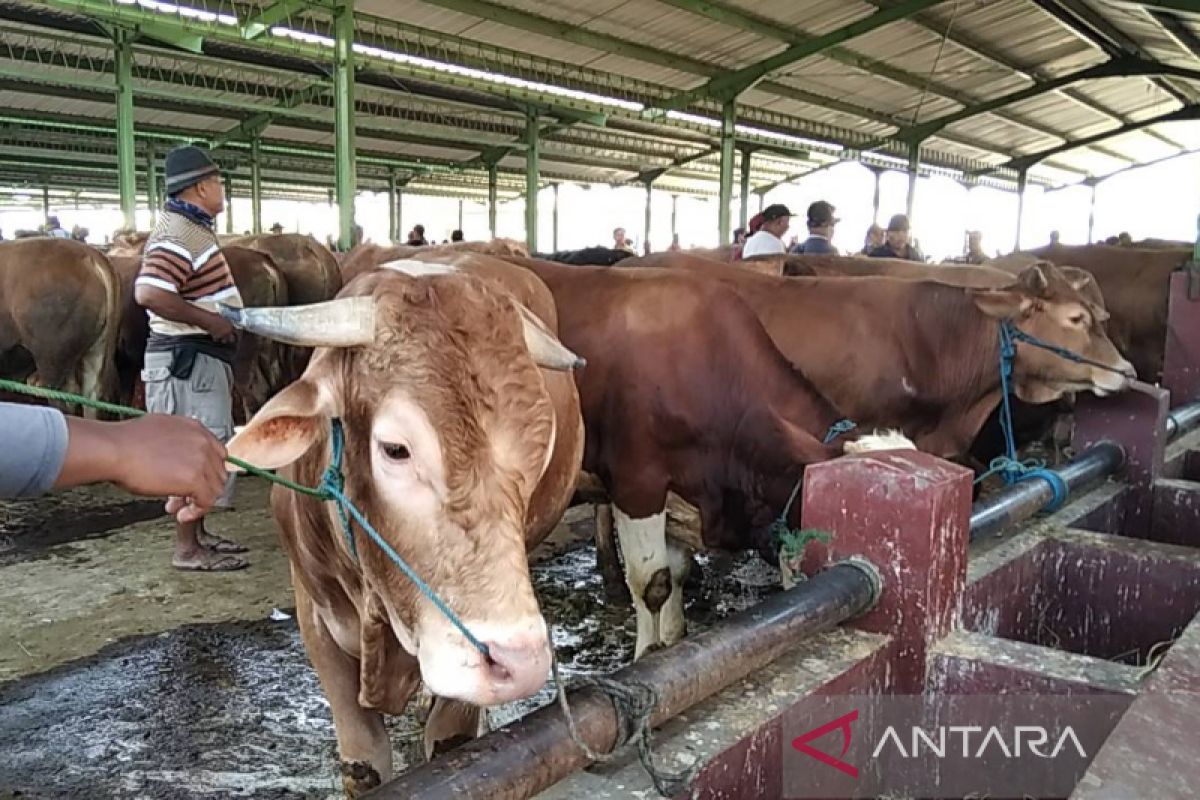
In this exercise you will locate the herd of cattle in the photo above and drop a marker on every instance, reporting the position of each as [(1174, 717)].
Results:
[(695, 381)]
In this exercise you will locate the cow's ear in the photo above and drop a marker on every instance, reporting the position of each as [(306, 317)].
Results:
[(1035, 280), (1001, 303), (283, 429)]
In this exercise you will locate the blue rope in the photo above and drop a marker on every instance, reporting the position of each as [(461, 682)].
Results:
[(332, 488), (1008, 466), (837, 429)]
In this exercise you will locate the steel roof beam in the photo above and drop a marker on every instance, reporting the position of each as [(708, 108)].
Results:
[(1191, 112), (279, 11), (729, 85)]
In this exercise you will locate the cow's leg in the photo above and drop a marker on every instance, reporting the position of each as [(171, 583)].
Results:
[(451, 723), (647, 571), (672, 626), (615, 590), (363, 745)]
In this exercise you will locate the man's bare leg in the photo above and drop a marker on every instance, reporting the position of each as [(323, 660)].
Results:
[(191, 554)]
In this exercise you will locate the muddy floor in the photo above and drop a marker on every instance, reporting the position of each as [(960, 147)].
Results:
[(122, 678)]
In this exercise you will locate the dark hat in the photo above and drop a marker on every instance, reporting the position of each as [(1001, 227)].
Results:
[(821, 213), (775, 211), (899, 222), (186, 166), (278, 226)]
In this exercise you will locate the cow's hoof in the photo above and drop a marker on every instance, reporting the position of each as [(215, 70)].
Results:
[(358, 778)]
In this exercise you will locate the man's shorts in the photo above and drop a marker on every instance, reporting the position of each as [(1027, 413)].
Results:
[(206, 396)]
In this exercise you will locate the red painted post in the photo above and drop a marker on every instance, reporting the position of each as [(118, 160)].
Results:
[(1137, 420), (1181, 361), (908, 513)]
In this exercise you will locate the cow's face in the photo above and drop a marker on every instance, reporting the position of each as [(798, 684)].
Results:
[(448, 428), (1062, 308)]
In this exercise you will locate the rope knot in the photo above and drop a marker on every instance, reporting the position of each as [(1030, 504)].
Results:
[(837, 429)]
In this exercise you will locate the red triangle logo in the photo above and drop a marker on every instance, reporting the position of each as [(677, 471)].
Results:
[(842, 723)]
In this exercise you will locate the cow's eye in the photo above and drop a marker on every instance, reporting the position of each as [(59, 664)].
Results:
[(395, 452), (1078, 319)]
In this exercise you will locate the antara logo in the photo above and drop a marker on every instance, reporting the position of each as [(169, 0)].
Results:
[(842, 723)]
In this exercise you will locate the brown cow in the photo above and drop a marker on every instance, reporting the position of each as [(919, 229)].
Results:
[(309, 268), (923, 357), (369, 256), (461, 452), (1135, 283), (684, 393), (59, 303)]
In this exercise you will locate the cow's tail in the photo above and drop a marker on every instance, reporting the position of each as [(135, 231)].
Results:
[(97, 379)]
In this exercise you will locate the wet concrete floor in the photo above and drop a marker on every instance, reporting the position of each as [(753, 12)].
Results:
[(127, 679)]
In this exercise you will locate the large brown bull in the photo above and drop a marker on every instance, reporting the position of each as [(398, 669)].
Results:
[(59, 303), (369, 256), (461, 452)]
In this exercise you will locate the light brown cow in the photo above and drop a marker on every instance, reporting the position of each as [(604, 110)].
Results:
[(369, 256), (59, 303), (462, 453), (1135, 283)]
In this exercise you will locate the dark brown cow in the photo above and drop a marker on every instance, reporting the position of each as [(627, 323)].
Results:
[(684, 393), (461, 452), (1135, 283), (923, 357), (311, 271), (59, 303)]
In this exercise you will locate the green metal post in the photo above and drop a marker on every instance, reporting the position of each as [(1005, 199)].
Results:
[(914, 164), (152, 200), (728, 120), (674, 215), (400, 211), (393, 222), (646, 236), (744, 212), (492, 199), (343, 120), (878, 175), (1022, 179), (460, 214), (532, 154), (255, 187), (45, 201), (126, 168), (228, 203), (555, 232), (1092, 215)]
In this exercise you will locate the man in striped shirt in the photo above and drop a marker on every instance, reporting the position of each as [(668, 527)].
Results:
[(188, 367)]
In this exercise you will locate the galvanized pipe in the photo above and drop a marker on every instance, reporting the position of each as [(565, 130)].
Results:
[(536, 752), (1182, 420)]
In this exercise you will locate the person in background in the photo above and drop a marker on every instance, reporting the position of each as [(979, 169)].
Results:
[(55, 230), (1112, 241), (875, 238), (277, 228), (189, 356), (456, 236), (1053, 238), (975, 254), (768, 240), (821, 223), (620, 242), (416, 238), (897, 244), (154, 456), (1124, 239), (79, 233), (739, 236)]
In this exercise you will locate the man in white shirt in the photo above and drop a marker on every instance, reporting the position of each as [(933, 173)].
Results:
[(768, 240)]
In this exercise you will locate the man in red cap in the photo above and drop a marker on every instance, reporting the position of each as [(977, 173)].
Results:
[(768, 240)]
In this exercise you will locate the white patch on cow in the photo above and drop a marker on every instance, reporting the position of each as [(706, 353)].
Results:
[(644, 547), (907, 386), (419, 269), (888, 440)]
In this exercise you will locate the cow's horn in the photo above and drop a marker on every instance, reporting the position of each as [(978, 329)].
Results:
[(544, 347), (345, 322)]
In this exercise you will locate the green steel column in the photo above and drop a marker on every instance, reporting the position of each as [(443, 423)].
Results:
[(492, 199), (555, 231), (126, 168), (343, 120), (460, 214), (744, 212), (152, 200), (728, 120), (1022, 178), (674, 215), (45, 201), (1092, 215), (646, 236), (229, 202), (914, 164), (532, 155), (255, 186), (393, 222), (878, 175)]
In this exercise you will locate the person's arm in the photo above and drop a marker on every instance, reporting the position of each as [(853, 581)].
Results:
[(171, 306), (35, 447)]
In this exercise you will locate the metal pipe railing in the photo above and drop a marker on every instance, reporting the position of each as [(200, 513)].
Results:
[(1021, 501), (537, 751)]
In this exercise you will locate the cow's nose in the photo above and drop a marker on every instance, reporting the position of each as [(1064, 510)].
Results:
[(520, 666)]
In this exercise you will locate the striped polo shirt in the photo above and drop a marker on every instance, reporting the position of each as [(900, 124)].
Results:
[(183, 256)]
